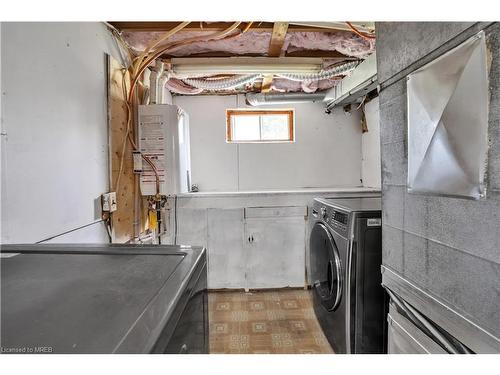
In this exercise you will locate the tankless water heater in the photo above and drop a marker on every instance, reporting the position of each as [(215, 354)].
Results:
[(164, 140)]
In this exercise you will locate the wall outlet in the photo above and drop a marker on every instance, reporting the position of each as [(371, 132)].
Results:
[(109, 202)]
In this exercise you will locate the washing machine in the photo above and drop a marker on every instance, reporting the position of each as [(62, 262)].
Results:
[(346, 256)]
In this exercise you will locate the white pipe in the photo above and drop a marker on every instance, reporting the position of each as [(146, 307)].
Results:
[(156, 72), (161, 87), (199, 67)]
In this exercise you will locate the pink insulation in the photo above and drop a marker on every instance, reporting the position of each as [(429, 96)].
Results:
[(346, 43), (177, 86), (247, 43), (256, 42), (285, 85)]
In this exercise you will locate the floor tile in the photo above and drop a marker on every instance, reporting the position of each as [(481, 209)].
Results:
[(265, 322)]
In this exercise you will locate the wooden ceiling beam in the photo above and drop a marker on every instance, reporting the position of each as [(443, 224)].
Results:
[(275, 47), (277, 39), (211, 26), (193, 26)]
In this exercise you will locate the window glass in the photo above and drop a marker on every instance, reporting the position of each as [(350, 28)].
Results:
[(275, 127), (246, 128)]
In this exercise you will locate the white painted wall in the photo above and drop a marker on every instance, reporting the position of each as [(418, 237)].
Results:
[(54, 114), (214, 163), (370, 141), (326, 153)]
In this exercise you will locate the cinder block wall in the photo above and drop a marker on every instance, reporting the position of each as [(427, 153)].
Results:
[(449, 247)]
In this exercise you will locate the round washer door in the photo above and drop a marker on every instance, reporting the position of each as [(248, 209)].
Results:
[(326, 270)]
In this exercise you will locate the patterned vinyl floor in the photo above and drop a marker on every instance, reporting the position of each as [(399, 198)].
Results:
[(264, 322)]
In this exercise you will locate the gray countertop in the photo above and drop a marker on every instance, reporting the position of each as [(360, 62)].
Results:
[(334, 190), (91, 298)]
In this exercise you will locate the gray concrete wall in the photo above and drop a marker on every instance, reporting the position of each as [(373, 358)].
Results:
[(449, 247)]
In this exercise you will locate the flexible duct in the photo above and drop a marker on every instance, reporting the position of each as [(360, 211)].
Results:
[(283, 98), (324, 74), (221, 84), (179, 87)]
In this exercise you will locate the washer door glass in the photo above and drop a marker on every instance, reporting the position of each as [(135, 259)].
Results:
[(326, 268)]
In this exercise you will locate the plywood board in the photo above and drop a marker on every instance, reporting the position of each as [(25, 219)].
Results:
[(123, 217)]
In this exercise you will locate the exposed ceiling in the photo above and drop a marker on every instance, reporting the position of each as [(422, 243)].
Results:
[(330, 43)]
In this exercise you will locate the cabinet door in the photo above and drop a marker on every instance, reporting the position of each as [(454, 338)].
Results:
[(276, 252), (191, 226), (226, 253)]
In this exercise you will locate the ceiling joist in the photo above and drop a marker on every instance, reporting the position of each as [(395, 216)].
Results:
[(275, 48), (277, 39), (256, 26)]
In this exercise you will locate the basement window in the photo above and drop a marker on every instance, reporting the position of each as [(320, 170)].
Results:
[(259, 126)]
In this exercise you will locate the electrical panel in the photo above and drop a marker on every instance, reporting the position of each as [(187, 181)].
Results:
[(163, 143)]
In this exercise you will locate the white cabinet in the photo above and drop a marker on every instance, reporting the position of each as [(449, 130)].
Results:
[(275, 252), (191, 227), (256, 247), (226, 248)]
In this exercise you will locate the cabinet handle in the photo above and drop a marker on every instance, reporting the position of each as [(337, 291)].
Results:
[(252, 238)]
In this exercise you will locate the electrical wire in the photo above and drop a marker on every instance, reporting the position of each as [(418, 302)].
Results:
[(359, 33), (136, 64), (140, 68), (156, 54), (155, 43), (247, 27), (124, 143)]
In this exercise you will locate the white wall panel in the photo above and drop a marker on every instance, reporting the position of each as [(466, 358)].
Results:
[(214, 163), (55, 151), (326, 153)]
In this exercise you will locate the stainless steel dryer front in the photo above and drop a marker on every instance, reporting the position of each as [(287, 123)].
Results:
[(346, 255)]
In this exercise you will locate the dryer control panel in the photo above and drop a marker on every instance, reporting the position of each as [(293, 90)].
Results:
[(336, 219), (340, 217)]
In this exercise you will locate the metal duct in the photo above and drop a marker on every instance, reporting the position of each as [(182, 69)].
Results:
[(283, 98), (360, 82)]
